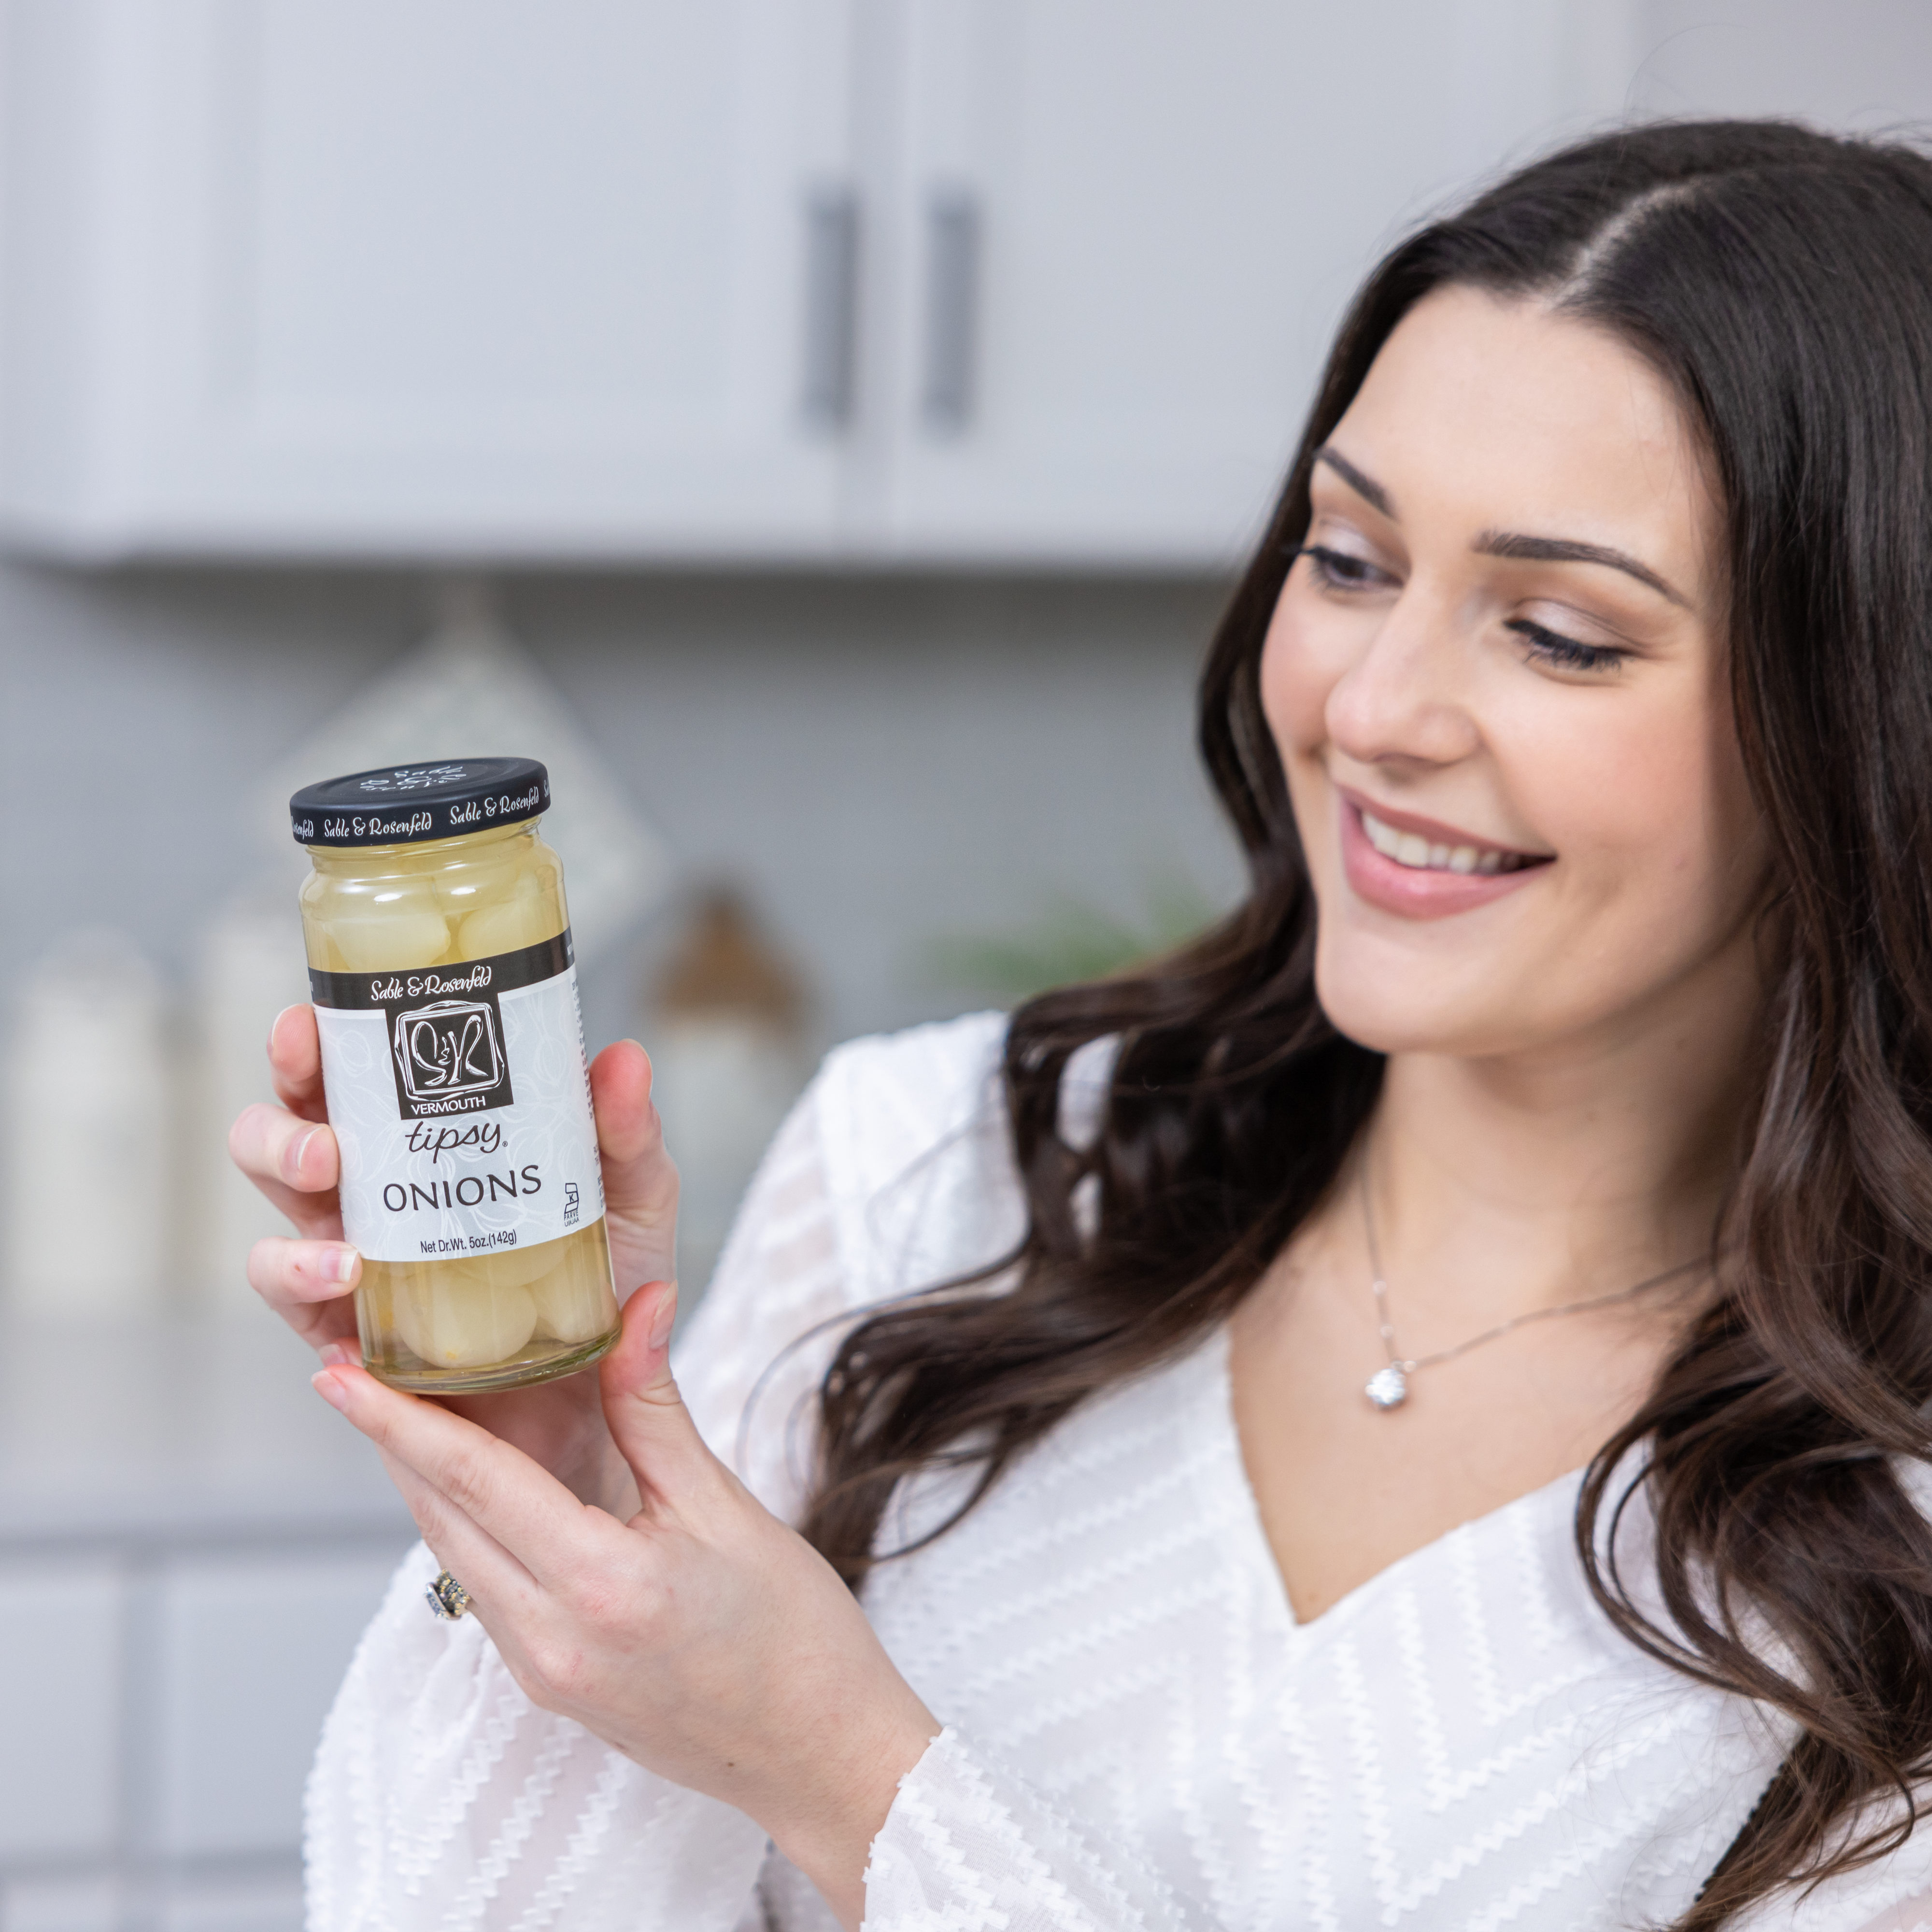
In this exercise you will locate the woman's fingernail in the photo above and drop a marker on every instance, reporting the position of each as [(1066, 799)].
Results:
[(343, 1264), (331, 1390), (336, 1353), (293, 1160), (275, 1026), (663, 1316)]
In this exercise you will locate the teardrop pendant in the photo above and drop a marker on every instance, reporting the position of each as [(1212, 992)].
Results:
[(1387, 1388)]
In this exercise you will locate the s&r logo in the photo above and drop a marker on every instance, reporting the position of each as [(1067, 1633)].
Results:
[(449, 1058), (412, 778)]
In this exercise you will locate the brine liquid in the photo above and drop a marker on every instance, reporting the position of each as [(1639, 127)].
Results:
[(496, 1322), (528, 1310)]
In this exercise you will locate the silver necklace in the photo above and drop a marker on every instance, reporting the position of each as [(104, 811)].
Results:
[(1388, 1386)]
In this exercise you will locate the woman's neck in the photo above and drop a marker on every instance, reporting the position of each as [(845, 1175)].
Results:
[(1499, 1185)]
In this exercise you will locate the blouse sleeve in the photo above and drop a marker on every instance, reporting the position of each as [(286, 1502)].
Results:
[(970, 1846), (442, 1797), (899, 1176)]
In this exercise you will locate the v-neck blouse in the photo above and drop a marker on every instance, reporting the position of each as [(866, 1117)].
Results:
[(1139, 1735)]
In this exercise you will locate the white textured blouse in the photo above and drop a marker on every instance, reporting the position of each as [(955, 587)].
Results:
[(1139, 1734)]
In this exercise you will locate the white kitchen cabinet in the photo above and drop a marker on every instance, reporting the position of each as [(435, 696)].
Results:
[(453, 276), (62, 1904), (250, 1649), (1131, 227), (61, 1632), (189, 1544), (972, 281), (249, 1904)]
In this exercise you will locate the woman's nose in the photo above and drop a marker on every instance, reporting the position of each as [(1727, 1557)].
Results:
[(1405, 695)]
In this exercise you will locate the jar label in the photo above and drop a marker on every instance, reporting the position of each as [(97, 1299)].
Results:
[(461, 1098)]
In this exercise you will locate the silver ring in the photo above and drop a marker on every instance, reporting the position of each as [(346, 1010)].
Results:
[(447, 1597)]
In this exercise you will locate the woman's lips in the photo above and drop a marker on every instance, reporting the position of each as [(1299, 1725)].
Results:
[(1417, 892)]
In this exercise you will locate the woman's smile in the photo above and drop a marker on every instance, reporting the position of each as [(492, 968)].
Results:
[(1420, 869)]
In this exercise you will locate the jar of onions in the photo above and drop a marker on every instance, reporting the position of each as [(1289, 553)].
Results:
[(452, 1051)]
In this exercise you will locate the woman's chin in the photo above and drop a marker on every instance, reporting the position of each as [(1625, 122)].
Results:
[(1411, 1019)]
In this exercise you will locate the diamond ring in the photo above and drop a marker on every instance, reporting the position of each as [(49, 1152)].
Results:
[(447, 1597)]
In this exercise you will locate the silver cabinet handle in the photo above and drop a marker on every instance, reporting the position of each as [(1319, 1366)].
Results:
[(952, 240), (831, 308)]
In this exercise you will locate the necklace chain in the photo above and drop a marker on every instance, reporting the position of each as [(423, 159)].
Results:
[(1388, 1386)]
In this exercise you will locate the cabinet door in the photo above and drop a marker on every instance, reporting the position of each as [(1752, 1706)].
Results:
[(458, 276), (1128, 228), (60, 1713), (250, 1651)]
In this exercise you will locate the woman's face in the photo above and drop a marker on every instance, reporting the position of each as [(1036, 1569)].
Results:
[(1496, 679)]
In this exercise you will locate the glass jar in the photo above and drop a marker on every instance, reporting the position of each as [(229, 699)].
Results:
[(452, 1055)]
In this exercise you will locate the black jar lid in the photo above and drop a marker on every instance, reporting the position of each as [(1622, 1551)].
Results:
[(401, 804)]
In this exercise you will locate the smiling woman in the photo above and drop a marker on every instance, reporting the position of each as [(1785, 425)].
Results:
[(1411, 1410)]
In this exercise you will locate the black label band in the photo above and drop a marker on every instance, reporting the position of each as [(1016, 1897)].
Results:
[(389, 992)]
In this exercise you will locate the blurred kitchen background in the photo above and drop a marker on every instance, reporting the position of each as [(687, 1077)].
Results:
[(824, 430)]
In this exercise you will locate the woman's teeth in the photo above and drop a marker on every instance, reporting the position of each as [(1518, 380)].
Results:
[(1412, 850)]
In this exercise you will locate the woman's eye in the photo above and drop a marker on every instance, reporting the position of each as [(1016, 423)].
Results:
[(1551, 647), (1337, 570)]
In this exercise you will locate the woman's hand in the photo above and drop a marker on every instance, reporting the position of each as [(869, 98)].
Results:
[(702, 1638), (289, 1151)]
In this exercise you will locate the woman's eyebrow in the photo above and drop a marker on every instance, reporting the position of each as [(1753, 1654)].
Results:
[(1564, 549), (1506, 543), (1371, 492)]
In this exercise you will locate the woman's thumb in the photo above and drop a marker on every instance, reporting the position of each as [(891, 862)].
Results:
[(648, 1420)]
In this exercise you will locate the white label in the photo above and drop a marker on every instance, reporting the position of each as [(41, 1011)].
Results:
[(461, 1102)]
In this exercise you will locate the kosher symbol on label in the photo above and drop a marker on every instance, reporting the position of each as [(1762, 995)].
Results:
[(448, 1058)]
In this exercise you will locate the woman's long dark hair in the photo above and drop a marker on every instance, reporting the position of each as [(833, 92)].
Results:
[(1781, 280)]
